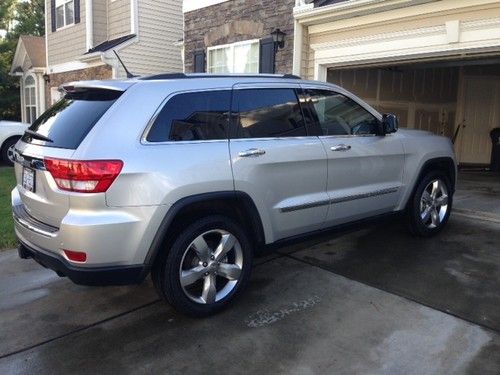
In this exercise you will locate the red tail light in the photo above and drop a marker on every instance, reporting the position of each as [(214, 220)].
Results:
[(93, 176), (76, 256)]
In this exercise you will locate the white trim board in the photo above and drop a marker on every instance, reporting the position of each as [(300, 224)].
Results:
[(474, 37), (190, 5), (71, 66)]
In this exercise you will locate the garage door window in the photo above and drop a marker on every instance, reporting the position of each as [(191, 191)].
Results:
[(340, 115)]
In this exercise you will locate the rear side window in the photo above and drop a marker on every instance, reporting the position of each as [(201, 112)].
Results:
[(192, 117), (69, 121), (340, 115), (263, 113)]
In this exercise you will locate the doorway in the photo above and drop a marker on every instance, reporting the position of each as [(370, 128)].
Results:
[(480, 114)]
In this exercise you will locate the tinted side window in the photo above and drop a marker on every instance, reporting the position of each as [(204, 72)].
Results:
[(192, 116), (339, 115), (263, 113), (69, 121)]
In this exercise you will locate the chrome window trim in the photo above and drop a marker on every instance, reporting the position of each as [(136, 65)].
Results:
[(342, 199), (348, 136), (265, 139)]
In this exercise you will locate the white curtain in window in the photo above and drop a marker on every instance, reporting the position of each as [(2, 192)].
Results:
[(234, 58)]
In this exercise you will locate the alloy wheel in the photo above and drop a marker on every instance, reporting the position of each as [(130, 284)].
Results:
[(434, 203), (211, 266), (10, 153)]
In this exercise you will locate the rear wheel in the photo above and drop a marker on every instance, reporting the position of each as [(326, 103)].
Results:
[(8, 150), (207, 266), (429, 208)]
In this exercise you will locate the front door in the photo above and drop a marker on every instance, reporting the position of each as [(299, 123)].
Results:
[(481, 114), (365, 170), (276, 162)]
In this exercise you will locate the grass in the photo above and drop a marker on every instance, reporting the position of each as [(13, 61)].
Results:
[(7, 183)]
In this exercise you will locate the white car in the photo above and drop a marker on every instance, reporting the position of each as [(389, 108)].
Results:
[(10, 132)]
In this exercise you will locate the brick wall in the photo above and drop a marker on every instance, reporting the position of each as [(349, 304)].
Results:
[(238, 20), (57, 79)]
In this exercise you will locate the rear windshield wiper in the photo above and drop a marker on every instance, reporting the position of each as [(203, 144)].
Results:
[(38, 136)]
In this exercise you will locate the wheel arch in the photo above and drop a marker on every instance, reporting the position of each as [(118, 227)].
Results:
[(5, 142), (444, 164), (235, 204)]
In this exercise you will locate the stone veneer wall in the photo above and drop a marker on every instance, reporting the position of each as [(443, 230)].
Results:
[(239, 20), (57, 79)]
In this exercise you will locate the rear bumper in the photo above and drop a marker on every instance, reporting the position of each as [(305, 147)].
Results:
[(96, 276)]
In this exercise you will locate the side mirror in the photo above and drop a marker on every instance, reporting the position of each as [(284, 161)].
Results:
[(390, 123)]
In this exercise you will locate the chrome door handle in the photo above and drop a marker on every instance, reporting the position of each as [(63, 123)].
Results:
[(341, 147), (251, 152)]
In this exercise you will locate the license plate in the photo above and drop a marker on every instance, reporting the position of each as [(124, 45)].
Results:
[(29, 179)]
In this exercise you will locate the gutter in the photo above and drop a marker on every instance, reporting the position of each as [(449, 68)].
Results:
[(89, 17), (307, 14)]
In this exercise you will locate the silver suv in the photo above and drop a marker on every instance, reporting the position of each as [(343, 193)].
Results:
[(184, 176)]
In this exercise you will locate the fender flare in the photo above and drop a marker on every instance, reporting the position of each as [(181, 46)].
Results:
[(178, 206), (444, 160)]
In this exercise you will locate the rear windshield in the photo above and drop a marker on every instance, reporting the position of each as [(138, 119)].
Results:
[(67, 122)]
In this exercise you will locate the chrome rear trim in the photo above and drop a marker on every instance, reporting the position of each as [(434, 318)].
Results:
[(22, 217)]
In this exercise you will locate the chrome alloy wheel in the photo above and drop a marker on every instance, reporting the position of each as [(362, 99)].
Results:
[(10, 153), (211, 266), (434, 203)]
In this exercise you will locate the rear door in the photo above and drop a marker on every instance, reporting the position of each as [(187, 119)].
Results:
[(56, 134), (365, 169), (275, 161)]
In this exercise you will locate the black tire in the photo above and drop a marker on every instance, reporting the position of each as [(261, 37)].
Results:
[(166, 272), (415, 223), (5, 149)]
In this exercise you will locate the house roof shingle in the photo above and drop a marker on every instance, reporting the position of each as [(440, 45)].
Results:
[(35, 49)]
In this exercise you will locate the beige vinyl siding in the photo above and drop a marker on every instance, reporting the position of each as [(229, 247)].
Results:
[(66, 44), (160, 26), (119, 18), (100, 21)]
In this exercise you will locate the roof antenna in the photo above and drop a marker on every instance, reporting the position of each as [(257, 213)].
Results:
[(129, 75)]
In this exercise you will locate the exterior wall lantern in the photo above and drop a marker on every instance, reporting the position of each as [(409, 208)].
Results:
[(278, 39)]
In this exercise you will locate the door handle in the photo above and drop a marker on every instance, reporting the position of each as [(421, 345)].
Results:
[(251, 152), (341, 147)]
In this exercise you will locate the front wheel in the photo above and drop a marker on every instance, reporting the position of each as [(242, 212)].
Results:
[(430, 206), (207, 266)]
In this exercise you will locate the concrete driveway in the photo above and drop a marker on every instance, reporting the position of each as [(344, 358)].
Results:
[(373, 301)]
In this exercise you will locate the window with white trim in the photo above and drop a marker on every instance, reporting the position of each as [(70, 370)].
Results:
[(240, 57), (30, 99), (65, 13)]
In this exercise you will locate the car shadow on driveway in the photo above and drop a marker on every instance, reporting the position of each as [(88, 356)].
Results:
[(457, 272)]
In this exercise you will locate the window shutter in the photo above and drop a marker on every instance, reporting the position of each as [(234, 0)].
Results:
[(53, 14), (199, 62), (266, 56), (77, 11)]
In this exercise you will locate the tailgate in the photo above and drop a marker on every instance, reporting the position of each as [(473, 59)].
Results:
[(41, 198), (56, 134)]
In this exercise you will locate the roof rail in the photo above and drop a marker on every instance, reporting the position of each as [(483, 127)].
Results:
[(205, 75)]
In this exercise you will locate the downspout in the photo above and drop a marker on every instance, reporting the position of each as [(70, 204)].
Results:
[(297, 48), (89, 17), (133, 16)]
